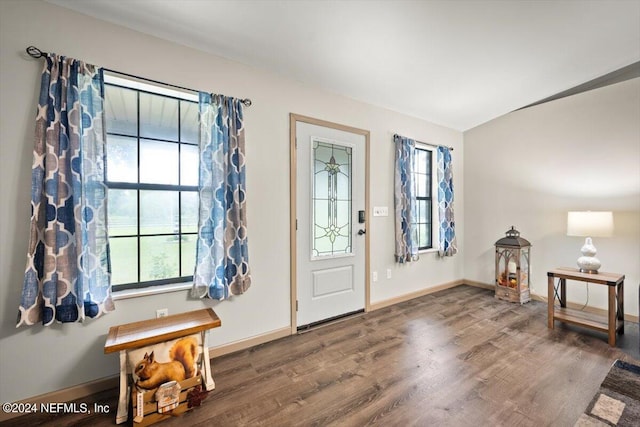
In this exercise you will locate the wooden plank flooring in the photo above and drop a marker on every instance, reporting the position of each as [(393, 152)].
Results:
[(458, 357)]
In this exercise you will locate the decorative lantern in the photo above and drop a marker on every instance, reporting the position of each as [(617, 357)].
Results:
[(513, 268)]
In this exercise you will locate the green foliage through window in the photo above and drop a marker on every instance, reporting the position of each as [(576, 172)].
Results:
[(152, 176)]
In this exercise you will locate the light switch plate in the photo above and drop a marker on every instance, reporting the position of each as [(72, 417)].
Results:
[(380, 211)]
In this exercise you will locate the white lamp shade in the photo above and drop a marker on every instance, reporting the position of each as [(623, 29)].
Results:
[(590, 224)]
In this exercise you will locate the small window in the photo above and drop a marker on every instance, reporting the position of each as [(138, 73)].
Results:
[(423, 178), (152, 179), (331, 210)]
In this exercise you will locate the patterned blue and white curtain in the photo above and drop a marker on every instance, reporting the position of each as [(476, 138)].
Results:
[(68, 272), (447, 235), (222, 254), (405, 200)]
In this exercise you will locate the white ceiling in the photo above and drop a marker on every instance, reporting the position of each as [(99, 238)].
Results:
[(455, 63)]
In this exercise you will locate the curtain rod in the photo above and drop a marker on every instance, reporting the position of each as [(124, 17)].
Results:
[(426, 143), (34, 52)]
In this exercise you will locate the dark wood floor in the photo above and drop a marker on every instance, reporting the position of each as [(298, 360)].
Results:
[(454, 358)]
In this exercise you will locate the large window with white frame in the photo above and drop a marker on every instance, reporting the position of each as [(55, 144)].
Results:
[(152, 179)]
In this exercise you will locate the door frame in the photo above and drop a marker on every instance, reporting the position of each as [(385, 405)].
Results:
[(293, 214)]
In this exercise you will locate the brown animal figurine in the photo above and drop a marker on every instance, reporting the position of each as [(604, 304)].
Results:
[(152, 374)]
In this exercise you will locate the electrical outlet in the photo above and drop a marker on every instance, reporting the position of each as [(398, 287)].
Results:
[(375, 276), (162, 312), (388, 273)]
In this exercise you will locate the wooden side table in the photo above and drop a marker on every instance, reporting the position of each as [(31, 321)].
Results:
[(130, 336), (612, 324)]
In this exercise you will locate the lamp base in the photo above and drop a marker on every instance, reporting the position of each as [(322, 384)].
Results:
[(589, 264)]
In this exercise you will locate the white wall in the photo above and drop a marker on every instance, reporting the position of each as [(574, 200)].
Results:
[(530, 167), (37, 360)]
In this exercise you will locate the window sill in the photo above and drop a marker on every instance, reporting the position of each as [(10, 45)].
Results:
[(152, 290), (428, 251)]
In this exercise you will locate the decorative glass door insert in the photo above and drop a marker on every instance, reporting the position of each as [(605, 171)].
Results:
[(331, 199)]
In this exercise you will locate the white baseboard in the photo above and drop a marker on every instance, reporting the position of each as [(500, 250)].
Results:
[(478, 284), (249, 342), (406, 297)]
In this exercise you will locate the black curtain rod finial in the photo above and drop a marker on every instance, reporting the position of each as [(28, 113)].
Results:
[(34, 52)]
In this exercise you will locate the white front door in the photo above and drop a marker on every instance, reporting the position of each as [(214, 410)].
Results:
[(330, 236)]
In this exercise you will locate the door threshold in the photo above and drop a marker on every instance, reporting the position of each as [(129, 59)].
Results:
[(326, 322)]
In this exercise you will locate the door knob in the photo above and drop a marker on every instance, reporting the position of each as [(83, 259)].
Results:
[(361, 232)]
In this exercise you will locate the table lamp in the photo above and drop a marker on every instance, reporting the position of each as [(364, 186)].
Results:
[(589, 224)]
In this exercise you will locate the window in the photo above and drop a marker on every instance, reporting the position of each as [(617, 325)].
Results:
[(422, 173), (152, 179), (331, 210)]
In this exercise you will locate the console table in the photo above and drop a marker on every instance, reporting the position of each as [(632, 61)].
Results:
[(613, 323), (131, 336)]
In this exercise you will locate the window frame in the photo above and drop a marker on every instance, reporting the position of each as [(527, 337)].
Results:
[(433, 188), (141, 86)]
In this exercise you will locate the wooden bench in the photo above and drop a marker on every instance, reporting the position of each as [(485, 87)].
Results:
[(131, 336)]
